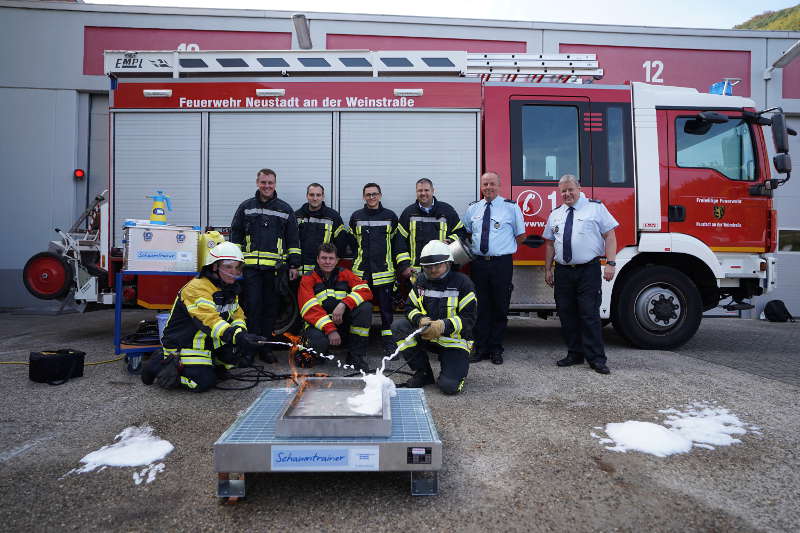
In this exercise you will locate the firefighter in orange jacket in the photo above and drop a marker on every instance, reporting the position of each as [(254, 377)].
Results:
[(331, 299)]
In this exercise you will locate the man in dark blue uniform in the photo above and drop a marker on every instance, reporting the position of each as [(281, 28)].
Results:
[(577, 234), (444, 301), (497, 227), (265, 228)]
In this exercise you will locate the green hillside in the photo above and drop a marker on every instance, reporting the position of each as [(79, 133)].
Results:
[(785, 19)]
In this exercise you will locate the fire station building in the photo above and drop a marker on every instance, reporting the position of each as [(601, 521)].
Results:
[(54, 98)]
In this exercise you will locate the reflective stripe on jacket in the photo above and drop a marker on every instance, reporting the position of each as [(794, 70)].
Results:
[(266, 232), (317, 297), (199, 318), (419, 227), (451, 299), (379, 245), (321, 226)]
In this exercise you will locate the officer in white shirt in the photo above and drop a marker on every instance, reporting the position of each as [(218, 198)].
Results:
[(496, 227), (577, 234)]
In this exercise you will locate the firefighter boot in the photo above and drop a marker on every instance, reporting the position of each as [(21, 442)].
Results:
[(420, 379), (358, 361)]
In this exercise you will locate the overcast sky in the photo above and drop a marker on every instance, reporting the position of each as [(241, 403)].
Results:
[(675, 13)]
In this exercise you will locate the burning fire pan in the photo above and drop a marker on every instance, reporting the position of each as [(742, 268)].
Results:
[(319, 408)]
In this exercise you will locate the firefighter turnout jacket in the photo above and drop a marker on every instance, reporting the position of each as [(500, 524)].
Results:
[(379, 245), (450, 299), (203, 318), (266, 232), (317, 227), (419, 227), (317, 296)]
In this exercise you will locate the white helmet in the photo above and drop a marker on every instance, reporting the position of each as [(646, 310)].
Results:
[(435, 252), (224, 251)]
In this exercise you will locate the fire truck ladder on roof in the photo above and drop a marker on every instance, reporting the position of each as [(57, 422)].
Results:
[(561, 68)]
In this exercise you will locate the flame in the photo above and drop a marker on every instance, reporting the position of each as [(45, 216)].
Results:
[(293, 349)]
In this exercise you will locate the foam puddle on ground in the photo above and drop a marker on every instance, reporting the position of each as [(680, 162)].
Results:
[(700, 425), (135, 447)]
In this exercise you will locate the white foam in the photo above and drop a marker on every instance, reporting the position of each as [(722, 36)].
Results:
[(135, 446), (700, 425), (370, 401)]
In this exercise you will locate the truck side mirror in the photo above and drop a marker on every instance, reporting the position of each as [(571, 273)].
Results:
[(783, 163), (780, 137)]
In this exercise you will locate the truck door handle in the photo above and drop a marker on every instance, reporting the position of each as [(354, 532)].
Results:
[(676, 213)]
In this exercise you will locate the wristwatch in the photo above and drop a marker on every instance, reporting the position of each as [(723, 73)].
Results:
[(611, 263)]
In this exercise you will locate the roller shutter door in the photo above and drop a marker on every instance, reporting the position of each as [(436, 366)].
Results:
[(156, 151), (396, 149), (297, 146)]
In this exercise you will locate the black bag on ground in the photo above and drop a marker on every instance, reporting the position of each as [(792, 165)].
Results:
[(55, 367), (776, 311)]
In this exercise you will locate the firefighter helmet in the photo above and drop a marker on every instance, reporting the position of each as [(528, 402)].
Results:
[(224, 250), (435, 252)]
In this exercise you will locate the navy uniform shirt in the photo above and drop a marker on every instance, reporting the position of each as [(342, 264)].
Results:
[(506, 224), (590, 221)]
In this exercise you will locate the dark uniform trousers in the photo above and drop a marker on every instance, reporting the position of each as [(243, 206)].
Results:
[(492, 279), (199, 377), (578, 293), (454, 361), (383, 298), (354, 329), (260, 300)]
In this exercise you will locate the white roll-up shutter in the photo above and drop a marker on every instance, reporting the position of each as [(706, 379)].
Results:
[(297, 146), (396, 149), (156, 151)]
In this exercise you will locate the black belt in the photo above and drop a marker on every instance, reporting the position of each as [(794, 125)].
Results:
[(587, 263), (491, 257)]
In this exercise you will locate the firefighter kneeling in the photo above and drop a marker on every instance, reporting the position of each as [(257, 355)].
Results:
[(444, 301), (206, 327), (330, 300)]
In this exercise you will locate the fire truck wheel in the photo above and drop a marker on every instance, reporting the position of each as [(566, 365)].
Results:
[(659, 308), (47, 276)]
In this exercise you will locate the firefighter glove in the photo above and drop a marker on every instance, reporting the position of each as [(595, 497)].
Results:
[(424, 321), (250, 341), (434, 331), (167, 377)]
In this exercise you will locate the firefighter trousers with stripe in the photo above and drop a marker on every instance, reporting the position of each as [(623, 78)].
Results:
[(454, 361), (354, 330)]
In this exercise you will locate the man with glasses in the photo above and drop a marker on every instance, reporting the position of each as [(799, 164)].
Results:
[(206, 331), (379, 247)]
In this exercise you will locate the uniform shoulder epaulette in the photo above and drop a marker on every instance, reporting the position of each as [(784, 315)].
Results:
[(474, 202), (595, 201), (509, 200)]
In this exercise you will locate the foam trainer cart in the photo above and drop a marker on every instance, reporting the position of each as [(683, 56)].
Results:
[(312, 429)]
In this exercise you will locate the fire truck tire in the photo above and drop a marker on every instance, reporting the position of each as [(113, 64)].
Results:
[(47, 276), (659, 308)]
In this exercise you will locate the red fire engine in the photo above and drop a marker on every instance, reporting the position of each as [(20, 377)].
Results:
[(687, 174)]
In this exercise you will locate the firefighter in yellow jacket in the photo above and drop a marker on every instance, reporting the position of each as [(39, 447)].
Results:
[(206, 326)]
